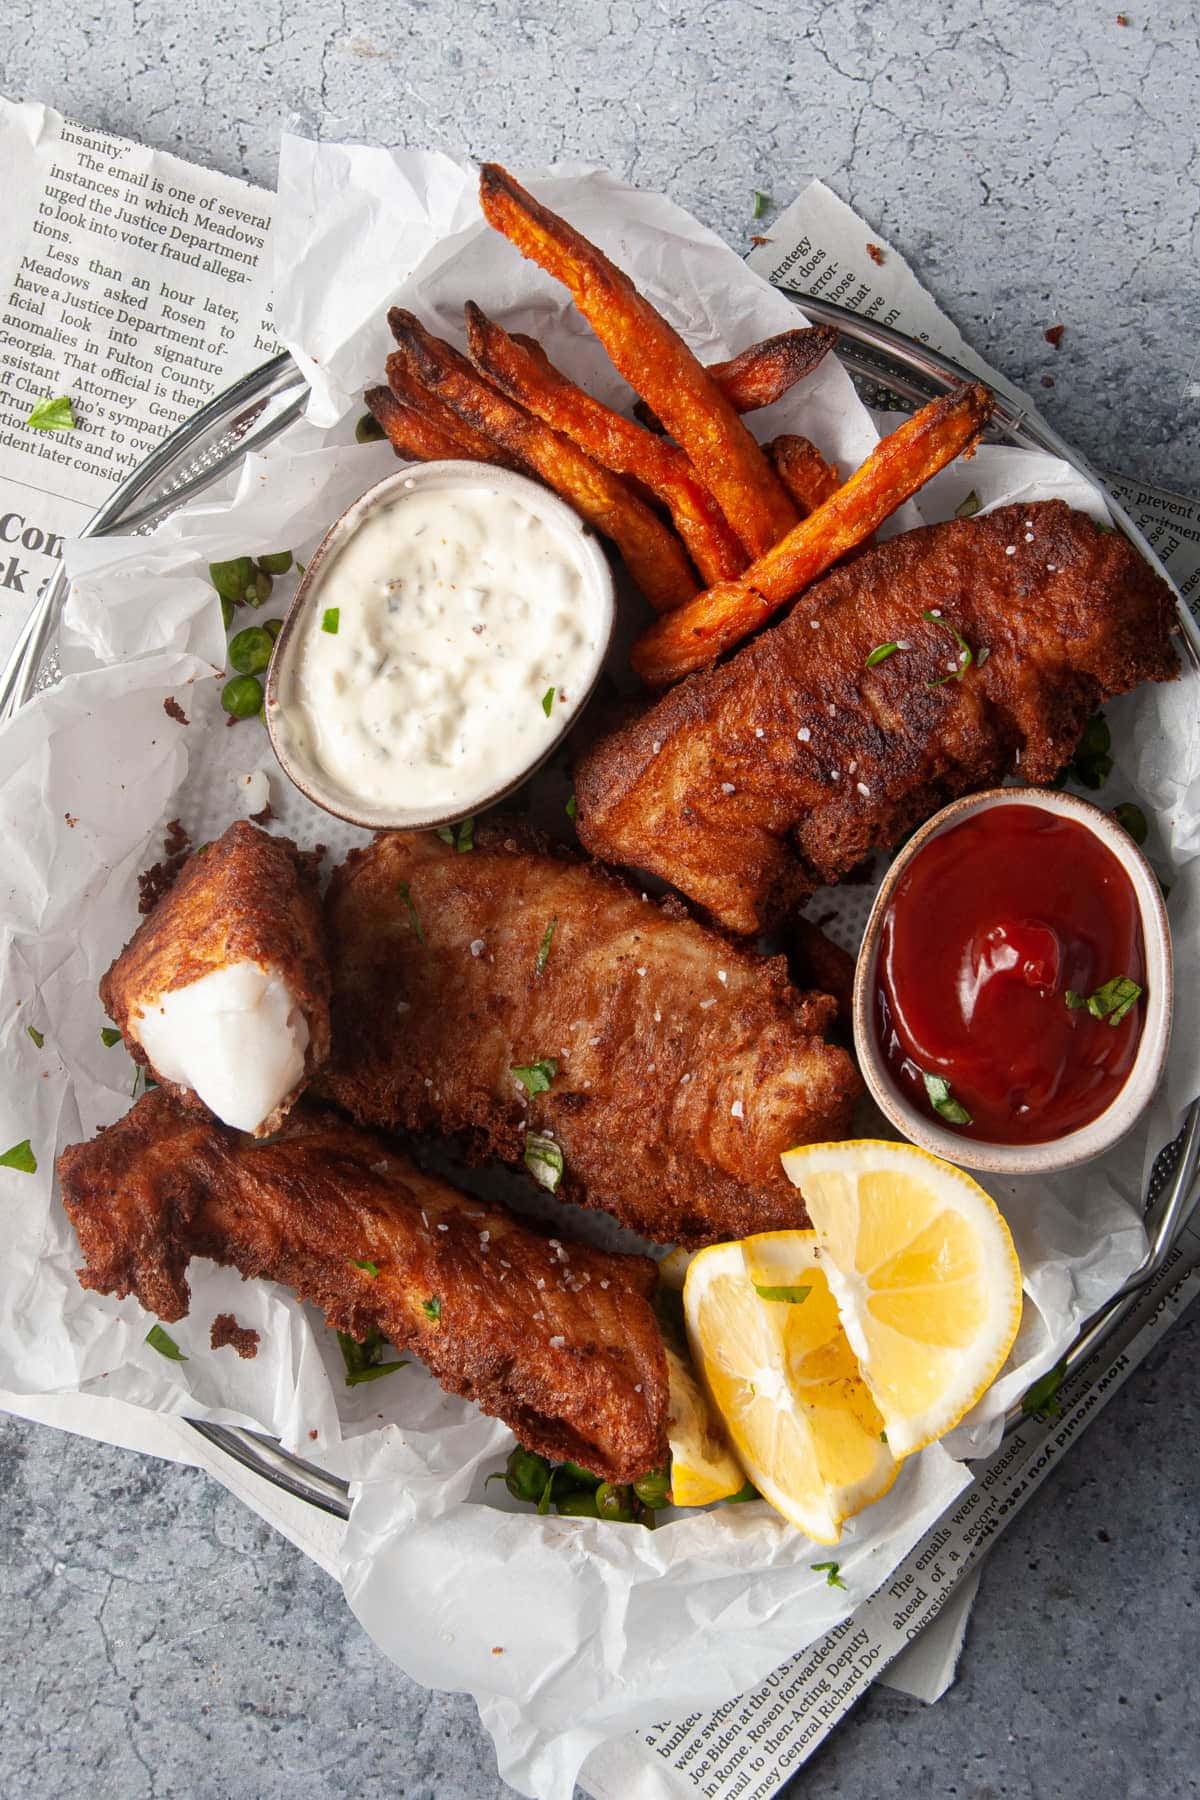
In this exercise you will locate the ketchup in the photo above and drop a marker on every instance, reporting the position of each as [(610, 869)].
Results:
[(997, 934)]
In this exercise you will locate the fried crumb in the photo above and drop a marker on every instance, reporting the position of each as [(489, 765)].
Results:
[(1047, 381), (72, 821), (173, 710), (1122, 18), (875, 252), (227, 1331), (155, 881), (1054, 334), (497, 1649), (264, 816), (312, 1436), (176, 839), (756, 239)]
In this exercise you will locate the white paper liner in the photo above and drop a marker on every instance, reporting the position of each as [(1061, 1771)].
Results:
[(600, 1628)]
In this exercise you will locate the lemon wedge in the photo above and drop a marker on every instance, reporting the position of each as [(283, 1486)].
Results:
[(764, 1331), (703, 1467), (925, 1276)]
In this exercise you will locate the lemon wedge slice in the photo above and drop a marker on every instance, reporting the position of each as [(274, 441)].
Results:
[(926, 1279), (764, 1331), (703, 1467)]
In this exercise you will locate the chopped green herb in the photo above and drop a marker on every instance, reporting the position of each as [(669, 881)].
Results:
[(330, 618), (880, 653), (1113, 1000), (830, 1572), (793, 1295), (761, 203), (536, 1077), (548, 702), (20, 1157), (368, 430), (109, 1035), (165, 1344), (277, 563), (966, 509), (943, 1101), (1042, 1402), (1133, 820), (1074, 1001), (364, 1360), (53, 415), (432, 1308), (367, 1265), (460, 837), (37, 1036), (966, 655), (571, 807), (544, 1160), (543, 955), (402, 888)]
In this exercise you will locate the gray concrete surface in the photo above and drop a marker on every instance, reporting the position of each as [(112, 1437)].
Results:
[(1038, 163)]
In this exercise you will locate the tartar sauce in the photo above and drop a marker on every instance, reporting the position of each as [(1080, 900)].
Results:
[(445, 643)]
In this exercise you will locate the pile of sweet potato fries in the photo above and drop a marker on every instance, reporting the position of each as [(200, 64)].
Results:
[(716, 530)]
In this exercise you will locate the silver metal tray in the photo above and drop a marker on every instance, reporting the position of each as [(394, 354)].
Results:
[(890, 371)]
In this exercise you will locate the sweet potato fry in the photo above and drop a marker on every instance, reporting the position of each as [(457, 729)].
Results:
[(475, 446), (763, 373), (652, 554), (415, 436), (521, 367), (808, 478), (714, 621), (652, 357)]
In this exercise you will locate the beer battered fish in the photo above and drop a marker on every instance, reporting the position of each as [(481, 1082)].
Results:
[(555, 1338), (835, 732), (539, 1005)]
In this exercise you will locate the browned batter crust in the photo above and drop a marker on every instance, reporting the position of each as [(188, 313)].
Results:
[(750, 784), (246, 897), (557, 1339), (684, 1065)]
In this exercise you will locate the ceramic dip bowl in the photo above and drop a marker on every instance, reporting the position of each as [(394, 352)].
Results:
[(1099, 1134)]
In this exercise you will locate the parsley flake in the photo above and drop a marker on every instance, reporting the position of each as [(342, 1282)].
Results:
[(20, 1157), (37, 1036), (830, 1572), (432, 1308), (330, 619), (792, 1295), (165, 1344), (1042, 1402), (1111, 1001), (53, 415), (544, 1160), (460, 837), (966, 655), (880, 653), (370, 1268), (109, 1035), (405, 893), (761, 203), (536, 1077), (548, 701), (943, 1101), (571, 807), (543, 955)]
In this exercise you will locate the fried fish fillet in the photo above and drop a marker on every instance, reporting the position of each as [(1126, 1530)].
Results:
[(557, 1339), (749, 785), (507, 993), (223, 991)]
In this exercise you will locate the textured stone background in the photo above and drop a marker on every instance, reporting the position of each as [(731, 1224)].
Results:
[(1038, 163)]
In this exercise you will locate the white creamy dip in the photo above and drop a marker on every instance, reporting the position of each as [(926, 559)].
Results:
[(446, 643), (236, 1037)]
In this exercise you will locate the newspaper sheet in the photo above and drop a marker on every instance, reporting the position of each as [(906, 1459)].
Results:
[(132, 283), (139, 286)]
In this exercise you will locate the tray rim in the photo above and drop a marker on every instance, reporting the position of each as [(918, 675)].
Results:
[(247, 407)]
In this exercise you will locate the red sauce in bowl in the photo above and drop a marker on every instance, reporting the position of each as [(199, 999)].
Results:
[(998, 934)]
